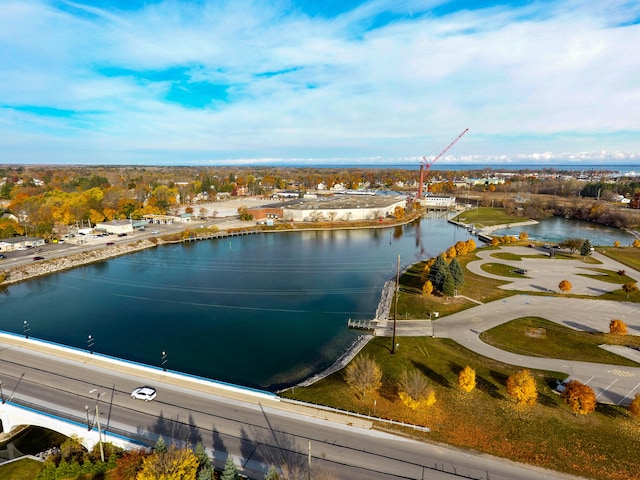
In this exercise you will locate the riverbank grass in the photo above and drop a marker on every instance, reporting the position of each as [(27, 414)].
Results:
[(600, 445), (487, 217), (23, 469)]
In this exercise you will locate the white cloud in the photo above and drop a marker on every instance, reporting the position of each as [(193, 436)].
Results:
[(547, 77)]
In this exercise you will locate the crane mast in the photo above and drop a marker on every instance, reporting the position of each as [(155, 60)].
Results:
[(425, 165)]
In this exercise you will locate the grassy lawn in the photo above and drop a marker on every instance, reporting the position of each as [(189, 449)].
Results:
[(610, 276), (558, 341), (601, 445), (501, 269), (412, 304), (487, 217), (24, 469), (629, 256)]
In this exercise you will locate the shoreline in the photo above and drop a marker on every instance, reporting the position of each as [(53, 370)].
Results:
[(22, 273), (29, 271), (382, 315)]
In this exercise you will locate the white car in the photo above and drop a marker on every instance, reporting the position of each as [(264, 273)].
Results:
[(144, 393), (155, 232)]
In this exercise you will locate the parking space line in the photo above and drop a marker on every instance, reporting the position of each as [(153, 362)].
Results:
[(629, 394), (587, 382), (606, 388)]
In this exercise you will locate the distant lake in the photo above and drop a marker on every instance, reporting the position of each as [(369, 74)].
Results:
[(263, 310), (558, 229)]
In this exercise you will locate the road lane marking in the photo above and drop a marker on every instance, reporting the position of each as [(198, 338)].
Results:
[(622, 373)]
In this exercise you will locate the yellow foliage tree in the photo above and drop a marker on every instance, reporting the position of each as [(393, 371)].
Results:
[(471, 245), (467, 379), (522, 387), (451, 252), (364, 375), (636, 243), (634, 406), (415, 391), (461, 248), (581, 398), (565, 286), (398, 212), (174, 464), (427, 288), (629, 288), (616, 244), (617, 327), (524, 235), (495, 242)]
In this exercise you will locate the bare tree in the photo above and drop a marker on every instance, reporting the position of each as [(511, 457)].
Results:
[(364, 375)]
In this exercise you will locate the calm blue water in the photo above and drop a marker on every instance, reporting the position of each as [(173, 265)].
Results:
[(261, 310), (557, 229)]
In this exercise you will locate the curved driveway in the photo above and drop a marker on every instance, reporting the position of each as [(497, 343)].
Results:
[(611, 383)]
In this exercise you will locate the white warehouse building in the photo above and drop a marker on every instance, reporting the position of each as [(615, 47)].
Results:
[(343, 208)]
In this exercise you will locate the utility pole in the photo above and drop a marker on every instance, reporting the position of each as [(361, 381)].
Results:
[(309, 469), (395, 310), (98, 395)]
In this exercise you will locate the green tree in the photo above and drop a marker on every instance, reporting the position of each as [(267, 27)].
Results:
[(272, 474), (205, 469), (456, 272), (230, 471), (585, 249), (448, 284), (437, 272), (160, 446), (572, 244)]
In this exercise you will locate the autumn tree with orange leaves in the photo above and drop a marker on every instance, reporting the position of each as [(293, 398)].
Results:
[(617, 327), (634, 406), (581, 398), (522, 387), (565, 286)]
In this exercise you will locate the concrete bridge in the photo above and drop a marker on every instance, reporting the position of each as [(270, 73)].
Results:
[(13, 416)]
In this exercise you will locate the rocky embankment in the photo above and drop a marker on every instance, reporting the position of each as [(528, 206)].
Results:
[(47, 267)]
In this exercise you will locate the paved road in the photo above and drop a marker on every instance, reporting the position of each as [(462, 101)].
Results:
[(612, 384), (255, 430)]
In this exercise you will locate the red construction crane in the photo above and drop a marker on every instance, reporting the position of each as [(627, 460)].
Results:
[(426, 164)]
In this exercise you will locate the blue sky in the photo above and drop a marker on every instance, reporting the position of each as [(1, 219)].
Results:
[(314, 82)]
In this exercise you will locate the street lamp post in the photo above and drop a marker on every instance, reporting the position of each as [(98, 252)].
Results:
[(164, 361), (26, 328), (86, 409), (1, 395), (90, 341), (98, 395)]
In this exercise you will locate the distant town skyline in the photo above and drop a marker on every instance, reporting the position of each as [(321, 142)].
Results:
[(314, 83)]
